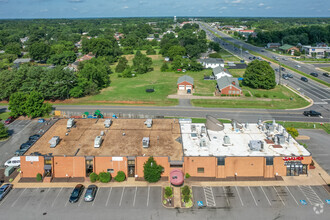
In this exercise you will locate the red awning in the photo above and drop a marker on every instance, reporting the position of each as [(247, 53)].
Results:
[(176, 177)]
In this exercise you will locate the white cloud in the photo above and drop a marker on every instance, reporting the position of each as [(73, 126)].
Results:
[(268, 7), (236, 1), (76, 1), (44, 10), (125, 7), (223, 8), (261, 4)]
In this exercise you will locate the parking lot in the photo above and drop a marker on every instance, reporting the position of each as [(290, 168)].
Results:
[(145, 203), (20, 130)]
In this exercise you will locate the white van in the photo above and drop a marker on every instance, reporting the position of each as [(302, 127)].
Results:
[(13, 162)]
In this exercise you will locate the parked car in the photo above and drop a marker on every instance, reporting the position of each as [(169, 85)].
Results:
[(276, 70), (312, 113), (282, 69), (13, 162), (76, 193), (304, 79), (9, 120), (284, 76), (20, 152), (90, 193), (289, 75), (326, 74), (298, 66), (34, 137), (4, 190), (314, 74), (26, 145)]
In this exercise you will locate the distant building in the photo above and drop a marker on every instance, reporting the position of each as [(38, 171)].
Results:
[(246, 33), (228, 86), (273, 45), (220, 71), (289, 48), (24, 39), (212, 62), (86, 57), (174, 18), (318, 51), (118, 36), (185, 82)]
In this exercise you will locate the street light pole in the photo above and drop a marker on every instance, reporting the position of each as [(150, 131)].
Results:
[(279, 72)]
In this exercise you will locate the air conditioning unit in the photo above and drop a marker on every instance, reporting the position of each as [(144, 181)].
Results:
[(145, 142)]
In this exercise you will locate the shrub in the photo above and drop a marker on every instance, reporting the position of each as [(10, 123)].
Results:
[(39, 177), (11, 180), (185, 190), (152, 171), (265, 95), (293, 132), (168, 191), (187, 175), (257, 95), (93, 177), (104, 177), (120, 176), (186, 198), (247, 94)]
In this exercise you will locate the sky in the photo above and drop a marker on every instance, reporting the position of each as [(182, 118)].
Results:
[(160, 8)]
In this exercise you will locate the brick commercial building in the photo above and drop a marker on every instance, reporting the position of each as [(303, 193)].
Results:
[(208, 151)]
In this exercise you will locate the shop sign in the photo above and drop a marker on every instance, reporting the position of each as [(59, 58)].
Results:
[(292, 158), (117, 158), (32, 158)]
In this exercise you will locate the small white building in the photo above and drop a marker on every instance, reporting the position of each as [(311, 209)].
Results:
[(212, 62), (318, 51), (220, 71)]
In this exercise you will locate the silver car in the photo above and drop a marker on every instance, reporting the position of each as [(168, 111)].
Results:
[(4, 190), (90, 193)]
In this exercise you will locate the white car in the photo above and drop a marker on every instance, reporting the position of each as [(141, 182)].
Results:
[(13, 162), (298, 66)]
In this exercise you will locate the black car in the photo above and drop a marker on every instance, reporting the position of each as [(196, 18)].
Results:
[(4, 190), (326, 74), (304, 79), (20, 152), (76, 193), (27, 145), (312, 113), (34, 137), (289, 75), (314, 74), (282, 69)]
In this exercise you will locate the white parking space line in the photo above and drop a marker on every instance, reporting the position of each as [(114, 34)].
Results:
[(316, 195), (253, 196), (66, 203), (95, 197), (209, 196), (106, 204), (43, 197), (266, 196), (279, 196), (24, 128), (18, 198), (292, 195), (56, 197), (81, 199), (310, 194), (122, 194), (148, 196), (5, 197), (134, 196), (225, 192), (239, 196)]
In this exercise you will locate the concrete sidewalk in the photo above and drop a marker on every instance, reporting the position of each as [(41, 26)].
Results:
[(316, 176)]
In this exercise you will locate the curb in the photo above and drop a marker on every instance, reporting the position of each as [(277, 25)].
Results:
[(302, 96)]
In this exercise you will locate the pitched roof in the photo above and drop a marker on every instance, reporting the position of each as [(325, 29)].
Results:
[(22, 60), (274, 44), (286, 47), (186, 78), (211, 60), (225, 81)]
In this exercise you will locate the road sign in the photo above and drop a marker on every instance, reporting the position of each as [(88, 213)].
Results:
[(327, 201), (200, 203), (303, 202)]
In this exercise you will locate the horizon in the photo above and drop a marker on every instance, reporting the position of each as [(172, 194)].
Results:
[(67, 9)]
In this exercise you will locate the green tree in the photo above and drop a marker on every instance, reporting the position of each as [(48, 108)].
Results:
[(164, 67), (17, 104), (39, 177), (152, 171), (120, 177), (35, 106), (13, 48), (176, 50), (39, 51), (150, 51), (168, 191), (93, 177), (122, 65), (293, 132), (3, 131), (63, 58), (259, 75), (141, 63), (214, 46), (104, 177)]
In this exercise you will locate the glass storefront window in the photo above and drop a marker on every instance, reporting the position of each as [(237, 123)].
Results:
[(295, 168)]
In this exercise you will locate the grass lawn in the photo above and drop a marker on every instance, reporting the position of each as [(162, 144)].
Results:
[(226, 56), (305, 125), (237, 72), (326, 68), (4, 115), (277, 98)]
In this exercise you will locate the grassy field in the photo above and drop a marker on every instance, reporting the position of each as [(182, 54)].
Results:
[(226, 56), (4, 115), (237, 72), (277, 98), (326, 68), (305, 125)]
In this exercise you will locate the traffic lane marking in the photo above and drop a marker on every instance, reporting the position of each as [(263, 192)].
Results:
[(18, 198)]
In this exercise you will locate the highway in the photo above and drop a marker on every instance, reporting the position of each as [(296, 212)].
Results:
[(306, 68), (319, 93)]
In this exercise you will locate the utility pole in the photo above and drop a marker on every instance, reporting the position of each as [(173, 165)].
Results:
[(241, 53), (279, 72)]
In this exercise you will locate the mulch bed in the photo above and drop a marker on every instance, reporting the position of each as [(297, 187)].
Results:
[(168, 204)]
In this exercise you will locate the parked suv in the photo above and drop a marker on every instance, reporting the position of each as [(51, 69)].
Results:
[(312, 113)]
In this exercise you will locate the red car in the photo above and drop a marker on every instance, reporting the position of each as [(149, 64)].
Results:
[(9, 120)]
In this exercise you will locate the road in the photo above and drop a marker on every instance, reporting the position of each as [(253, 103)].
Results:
[(320, 94), (306, 68)]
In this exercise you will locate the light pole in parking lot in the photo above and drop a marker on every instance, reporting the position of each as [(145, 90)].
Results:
[(279, 72)]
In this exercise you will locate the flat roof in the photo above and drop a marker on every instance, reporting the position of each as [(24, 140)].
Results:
[(80, 140), (212, 142)]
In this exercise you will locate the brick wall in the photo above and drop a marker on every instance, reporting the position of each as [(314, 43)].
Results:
[(102, 164), (31, 169)]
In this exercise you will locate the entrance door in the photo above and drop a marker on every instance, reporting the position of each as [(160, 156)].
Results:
[(131, 168), (89, 167)]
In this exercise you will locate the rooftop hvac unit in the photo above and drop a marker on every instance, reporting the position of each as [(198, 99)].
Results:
[(148, 122), (98, 141), (256, 145), (203, 130), (193, 128), (270, 127), (290, 141), (280, 139), (145, 142), (107, 123), (202, 143), (70, 123), (226, 140), (102, 133), (54, 141), (236, 124)]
